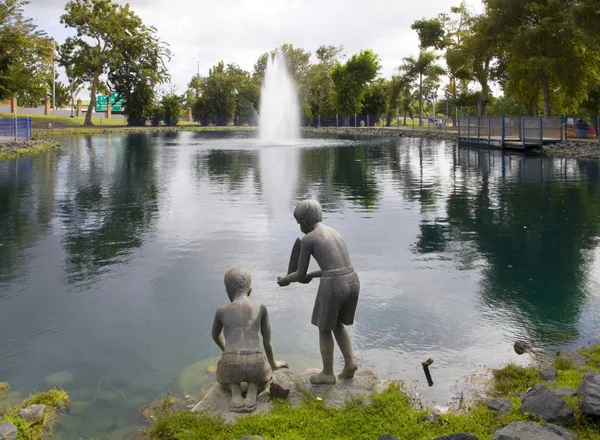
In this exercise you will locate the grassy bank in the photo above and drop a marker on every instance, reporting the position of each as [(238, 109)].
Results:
[(54, 399), (390, 412), (58, 132), (14, 150)]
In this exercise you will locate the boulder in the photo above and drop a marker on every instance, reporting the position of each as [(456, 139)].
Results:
[(547, 405), (548, 373), (521, 347), (575, 358), (564, 391), (8, 431), (589, 394), (532, 431), (279, 389), (33, 413), (503, 405), (458, 436)]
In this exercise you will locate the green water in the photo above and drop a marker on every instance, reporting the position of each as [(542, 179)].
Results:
[(113, 251)]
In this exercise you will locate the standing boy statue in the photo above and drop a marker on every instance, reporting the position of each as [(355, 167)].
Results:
[(243, 368), (338, 290)]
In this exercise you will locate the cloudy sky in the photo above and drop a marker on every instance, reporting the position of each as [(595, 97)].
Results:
[(238, 31)]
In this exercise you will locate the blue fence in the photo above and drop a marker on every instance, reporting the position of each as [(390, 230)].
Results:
[(15, 128)]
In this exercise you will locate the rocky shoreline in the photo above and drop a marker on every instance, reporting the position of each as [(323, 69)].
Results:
[(390, 132), (576, 149), (556, 398)]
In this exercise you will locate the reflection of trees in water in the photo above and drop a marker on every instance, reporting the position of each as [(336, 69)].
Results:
[(330, 174), (26, 208), (230, 168), (110, 208), (534, 231)]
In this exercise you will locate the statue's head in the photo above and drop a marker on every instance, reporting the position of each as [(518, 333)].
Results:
[(308, 213), (238, 282)]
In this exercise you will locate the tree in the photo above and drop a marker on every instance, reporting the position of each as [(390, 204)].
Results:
[(350, 81), (423, 67), (25, 54), (320, 83), (540, 38), (375, 99), (109, 38), (171, 108)]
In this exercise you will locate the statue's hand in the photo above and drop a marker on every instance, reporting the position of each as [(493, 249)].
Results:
[(282, 283), (307, 279), (281, 364)]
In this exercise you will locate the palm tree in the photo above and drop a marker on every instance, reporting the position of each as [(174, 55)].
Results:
[(423, 66)]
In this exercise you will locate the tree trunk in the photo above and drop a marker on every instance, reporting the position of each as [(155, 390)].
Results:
[(388, 122), (546, 92), (481, 104), (420, 99), (533, 107), (405, 117), (455, 107), (88, 117)]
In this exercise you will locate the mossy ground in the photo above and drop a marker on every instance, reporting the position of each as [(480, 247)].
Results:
[(54, 399), (27, 148), (391, 412)]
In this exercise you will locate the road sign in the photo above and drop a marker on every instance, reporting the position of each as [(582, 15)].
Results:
[(102, 103)]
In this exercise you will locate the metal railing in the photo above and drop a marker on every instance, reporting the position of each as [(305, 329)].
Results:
[(15, 129)]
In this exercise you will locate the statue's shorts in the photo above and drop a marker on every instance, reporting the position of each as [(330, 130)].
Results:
[(239, 366), (336, 299)]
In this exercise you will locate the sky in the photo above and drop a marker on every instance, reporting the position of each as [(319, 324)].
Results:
[(203, 32)]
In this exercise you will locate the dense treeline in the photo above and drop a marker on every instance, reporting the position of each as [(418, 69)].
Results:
[(543, 54)]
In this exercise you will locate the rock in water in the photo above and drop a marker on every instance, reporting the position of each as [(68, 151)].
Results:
[(503, 405), (589, 394), (547, 405), (8, 431), (458, 436), (521, 347), (532, 431), (33, 413)]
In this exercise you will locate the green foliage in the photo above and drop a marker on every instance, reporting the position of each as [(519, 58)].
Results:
[(562, 363), (111, 39), (350, 81), (226, 92), (375, 99), (506, 106), (320, 82), (54, 399), (513, 379), (171, 108), (25, 54)]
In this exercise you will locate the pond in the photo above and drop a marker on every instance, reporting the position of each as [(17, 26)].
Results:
[(113, 252)]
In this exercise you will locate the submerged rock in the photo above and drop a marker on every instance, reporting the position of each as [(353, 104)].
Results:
[(59, 379), (589, 394), (546, 405), (521, 347), (8, 431), (532, 431)]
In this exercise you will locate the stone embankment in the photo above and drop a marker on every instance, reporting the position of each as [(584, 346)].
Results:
[(384, 132), (579, 149)]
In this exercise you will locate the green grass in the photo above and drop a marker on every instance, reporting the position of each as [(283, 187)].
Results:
[(42, 121), (513, 379), (55, 399), (390, 412)]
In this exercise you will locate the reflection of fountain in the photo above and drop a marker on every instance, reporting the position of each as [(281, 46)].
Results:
[(279, 175), (279, 107)]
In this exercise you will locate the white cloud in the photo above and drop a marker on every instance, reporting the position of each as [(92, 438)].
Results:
[(239, 31)]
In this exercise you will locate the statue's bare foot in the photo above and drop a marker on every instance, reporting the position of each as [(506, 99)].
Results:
[(348, 372), (322, 379), (237, 401)]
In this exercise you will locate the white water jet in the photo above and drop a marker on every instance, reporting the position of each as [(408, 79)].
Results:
[(279, 107)]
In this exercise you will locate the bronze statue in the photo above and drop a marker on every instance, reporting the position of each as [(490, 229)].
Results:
[(243, 368), (337, 297)]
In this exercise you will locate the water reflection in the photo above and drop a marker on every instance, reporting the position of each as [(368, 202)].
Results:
[(122, 241)]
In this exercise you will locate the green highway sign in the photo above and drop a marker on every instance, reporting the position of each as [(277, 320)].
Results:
[(102, 103)]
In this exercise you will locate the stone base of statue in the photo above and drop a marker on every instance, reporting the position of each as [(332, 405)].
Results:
[(285, 382)]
